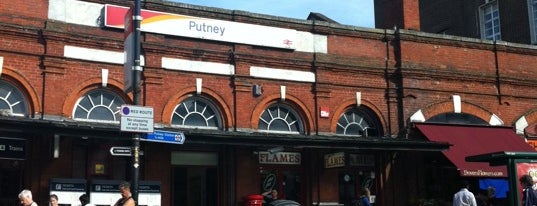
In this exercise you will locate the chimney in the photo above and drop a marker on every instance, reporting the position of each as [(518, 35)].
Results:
[(403, 14)]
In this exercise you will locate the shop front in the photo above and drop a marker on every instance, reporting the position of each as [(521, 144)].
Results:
[(471, 140)]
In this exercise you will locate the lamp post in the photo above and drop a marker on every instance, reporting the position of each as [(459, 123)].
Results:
[(136, 76)]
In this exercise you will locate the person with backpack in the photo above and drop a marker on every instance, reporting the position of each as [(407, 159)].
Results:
[(529, 195), (364, 198)]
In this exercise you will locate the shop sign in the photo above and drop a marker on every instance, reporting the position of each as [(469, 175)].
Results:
[(362, 160), (334, 160), (285, 158), (12, 148)]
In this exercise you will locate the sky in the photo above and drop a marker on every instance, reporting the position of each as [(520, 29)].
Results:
[(348, 12)]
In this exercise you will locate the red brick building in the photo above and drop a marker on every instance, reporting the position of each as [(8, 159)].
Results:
[(316, 110)]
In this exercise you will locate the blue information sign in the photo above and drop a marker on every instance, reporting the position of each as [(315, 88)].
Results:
[(165, 137)]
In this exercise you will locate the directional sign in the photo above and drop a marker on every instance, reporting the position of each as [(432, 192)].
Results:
[(136, 119), (165, 137), (121, 151)]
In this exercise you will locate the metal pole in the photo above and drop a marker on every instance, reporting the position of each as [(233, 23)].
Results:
[(137, 71)]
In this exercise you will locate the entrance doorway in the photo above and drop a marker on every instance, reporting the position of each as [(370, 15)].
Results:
[(195, 178), (286, 182), (10, 181), (194, 186)]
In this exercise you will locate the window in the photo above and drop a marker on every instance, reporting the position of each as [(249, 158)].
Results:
[(532, 8), (196, 112), (99, 105), (280, 118), (490, 21), (12, 101), (358, 122), (457, 118)]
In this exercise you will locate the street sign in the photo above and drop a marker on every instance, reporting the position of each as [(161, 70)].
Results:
[(121, 151), (165, 137), (136, 119)]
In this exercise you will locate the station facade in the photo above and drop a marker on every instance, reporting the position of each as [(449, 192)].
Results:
[(316, 110)]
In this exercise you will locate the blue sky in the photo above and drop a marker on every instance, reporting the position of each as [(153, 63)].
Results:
[(349, 12)]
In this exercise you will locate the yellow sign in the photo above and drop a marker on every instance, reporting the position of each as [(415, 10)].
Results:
[(334, 160)]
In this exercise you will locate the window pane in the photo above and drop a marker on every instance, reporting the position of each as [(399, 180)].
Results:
[(12, 100), (196, 112)]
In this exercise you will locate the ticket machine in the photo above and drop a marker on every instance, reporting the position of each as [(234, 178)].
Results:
[(67, 190), (104, 192), (149, 193)]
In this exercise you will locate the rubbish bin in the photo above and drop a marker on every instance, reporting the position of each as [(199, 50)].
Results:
[(253, 200)]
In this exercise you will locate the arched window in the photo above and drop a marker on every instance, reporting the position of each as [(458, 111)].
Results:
[(12, 100), (457, 118), (98, 105), (196, 112), (280, 118), (358, 122)]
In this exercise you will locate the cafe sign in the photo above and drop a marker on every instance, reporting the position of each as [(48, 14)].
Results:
[(334, 160), (284, 158)]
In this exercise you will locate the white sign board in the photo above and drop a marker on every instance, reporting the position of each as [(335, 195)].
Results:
[(136, 119)]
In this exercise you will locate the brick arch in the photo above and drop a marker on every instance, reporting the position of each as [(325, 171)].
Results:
[(447, 107), (14, 77), (345, 105), (184, 93), (295, 103), (525, 120), (88, 85)]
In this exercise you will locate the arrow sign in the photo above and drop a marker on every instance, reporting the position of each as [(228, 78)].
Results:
[(165, 137), (121, 151)]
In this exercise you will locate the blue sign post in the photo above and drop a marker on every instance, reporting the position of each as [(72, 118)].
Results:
[(165, 137)]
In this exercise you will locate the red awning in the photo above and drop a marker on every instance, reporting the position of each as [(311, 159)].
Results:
[(467, 140)]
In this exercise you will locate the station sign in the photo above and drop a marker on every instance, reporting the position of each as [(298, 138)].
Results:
[(136, 119), (12, 148), (165, 137)]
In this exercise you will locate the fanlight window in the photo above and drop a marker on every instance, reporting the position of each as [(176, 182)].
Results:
[(12, 101), (99, 105), (358, 122), (196, 112), (280, 118), (457, 118)]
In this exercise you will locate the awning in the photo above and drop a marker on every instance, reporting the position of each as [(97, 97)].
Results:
[(468, 140)]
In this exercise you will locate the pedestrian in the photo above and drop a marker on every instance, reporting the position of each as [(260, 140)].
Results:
[(84, 200), (464, 197), (53, 200), (529, 196), (126, 196), (270, 196), (364, 199), (26, 199)]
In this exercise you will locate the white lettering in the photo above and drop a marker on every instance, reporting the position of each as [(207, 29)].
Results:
[(482, 173), (13, 148)]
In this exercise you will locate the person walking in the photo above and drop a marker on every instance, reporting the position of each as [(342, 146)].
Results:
[(84, 200), (25, 198), (364, 199), (464, 197), (529, 196), (126, 196)]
